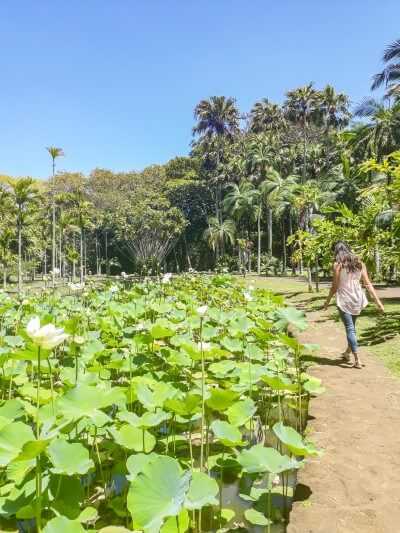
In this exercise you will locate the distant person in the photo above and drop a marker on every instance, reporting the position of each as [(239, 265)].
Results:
[(348, 271)]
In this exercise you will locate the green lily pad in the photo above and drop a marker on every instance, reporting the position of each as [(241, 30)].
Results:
[(157, 493), (256, 518), (226, 433), (259, 459), (69, 458), (221, 399), (13, 437), (136, 463), (134, 438), (61, 524), (293, 440), (240, 412), (202, 491)]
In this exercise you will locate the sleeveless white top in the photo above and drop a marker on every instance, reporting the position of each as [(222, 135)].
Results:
[(350, 296)]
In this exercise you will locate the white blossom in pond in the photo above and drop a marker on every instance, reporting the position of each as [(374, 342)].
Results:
[(206, 346), (114, 288), (76, 286), (48, 336), (166, 278), (202, 310), (247, 296)]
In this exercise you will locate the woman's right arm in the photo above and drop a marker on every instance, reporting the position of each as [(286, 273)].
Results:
[(370, 288)]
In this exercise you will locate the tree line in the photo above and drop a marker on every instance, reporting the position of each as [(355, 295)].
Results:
[(268, 191)]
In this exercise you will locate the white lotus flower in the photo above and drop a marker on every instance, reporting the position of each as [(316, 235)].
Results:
[(48, 336), (166, 278), (247, 296), (76, 286), (114, 289), (206, 346), (202, 310)]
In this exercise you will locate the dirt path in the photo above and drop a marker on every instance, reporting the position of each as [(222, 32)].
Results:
[(355, 486)]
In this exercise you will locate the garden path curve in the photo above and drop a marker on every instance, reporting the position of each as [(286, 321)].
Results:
[(355, 486)]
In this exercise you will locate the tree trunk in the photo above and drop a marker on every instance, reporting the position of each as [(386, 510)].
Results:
[(259, 243), (309, 278), (269, 212), (97, 254), (4, 278), (19, 259), (81, 258), (73, 271), (106, 253), (304, 151), (60, 260), (284, 252), (53, 208), (189, 262), (291, 248), (316, 275)]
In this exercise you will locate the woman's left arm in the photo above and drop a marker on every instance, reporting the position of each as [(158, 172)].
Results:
[(334, 286)]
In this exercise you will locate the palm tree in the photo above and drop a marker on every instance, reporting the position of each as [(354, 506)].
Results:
[(219, 233), (266, 117), (390, 75), (82, 213), (381, 135), (217, 122), (54, 153), (302, 107), (334, 108), (25, 196), (243, 201), (216, 117), (278, 194)]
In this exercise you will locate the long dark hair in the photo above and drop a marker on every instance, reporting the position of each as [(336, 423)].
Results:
[(346, 258)]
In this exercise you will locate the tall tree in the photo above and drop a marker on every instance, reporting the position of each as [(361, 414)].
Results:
[(266, 117), (381, 134), (390, 75), (25, 195), (302, 107), (54, 154), (218, 121)]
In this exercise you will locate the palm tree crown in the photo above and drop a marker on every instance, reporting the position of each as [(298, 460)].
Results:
[(217, 116)]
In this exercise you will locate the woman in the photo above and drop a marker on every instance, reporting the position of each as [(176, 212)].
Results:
[(348, 270)]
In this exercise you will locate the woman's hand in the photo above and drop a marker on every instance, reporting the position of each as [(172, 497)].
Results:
[(326, 305)]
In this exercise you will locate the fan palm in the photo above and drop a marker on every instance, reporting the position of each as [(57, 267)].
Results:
[(219, 233), (267, 117), (216, 117), (334, 108), (217, 122), (302, 107), (381, 135), (390, 75), (54, 154), (25, 196)]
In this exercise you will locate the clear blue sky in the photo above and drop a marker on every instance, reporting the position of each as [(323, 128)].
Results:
[(114, 82)]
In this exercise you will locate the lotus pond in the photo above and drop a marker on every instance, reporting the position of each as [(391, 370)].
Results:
[(168, 405)]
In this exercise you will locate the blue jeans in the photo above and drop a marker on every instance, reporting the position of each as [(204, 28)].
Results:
[(349, 322)]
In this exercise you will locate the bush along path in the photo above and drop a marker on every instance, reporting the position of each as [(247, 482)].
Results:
[(354, 486)]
